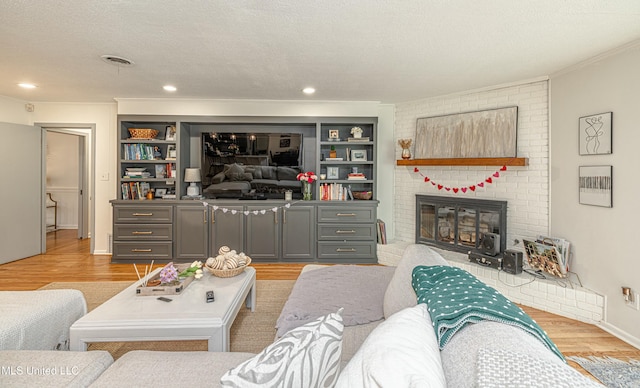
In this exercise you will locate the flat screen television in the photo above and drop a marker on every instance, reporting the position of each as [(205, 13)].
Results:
[(265, 149)]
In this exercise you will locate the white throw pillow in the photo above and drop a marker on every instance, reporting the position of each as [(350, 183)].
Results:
[(401, 352), (307, 356)]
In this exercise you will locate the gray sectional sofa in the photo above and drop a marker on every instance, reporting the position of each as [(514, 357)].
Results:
[(399, 349), (237, 179)]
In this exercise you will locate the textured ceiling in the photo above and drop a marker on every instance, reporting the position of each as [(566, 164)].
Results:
[(363, 50)]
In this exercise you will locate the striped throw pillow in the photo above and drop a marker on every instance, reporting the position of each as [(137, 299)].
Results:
[(307, 356)]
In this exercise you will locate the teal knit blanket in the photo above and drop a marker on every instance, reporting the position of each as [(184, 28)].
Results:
[(455, 298)]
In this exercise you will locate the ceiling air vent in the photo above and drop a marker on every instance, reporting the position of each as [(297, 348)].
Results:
[(116, 60)]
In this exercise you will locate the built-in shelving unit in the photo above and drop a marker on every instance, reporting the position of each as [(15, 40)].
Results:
[(358, 154), (155, 159), (464, 162)]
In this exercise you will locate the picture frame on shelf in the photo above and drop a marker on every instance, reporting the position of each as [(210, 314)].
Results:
[(595, 185), (333, 173), (160, 192), (170, 133), (161, 171), (334, 135), (171, 152), (358, 155), (595, 134)]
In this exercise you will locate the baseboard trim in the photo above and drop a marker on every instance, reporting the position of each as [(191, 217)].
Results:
[(623, 335)]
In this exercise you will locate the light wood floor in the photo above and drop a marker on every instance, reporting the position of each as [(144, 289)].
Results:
[(68, 259)]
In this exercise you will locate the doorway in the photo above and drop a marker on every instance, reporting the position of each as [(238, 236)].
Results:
[(69, 161)]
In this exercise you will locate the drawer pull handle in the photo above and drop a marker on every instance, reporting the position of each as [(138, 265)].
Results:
[(146, 232), (140, 250), (345, 231), (346, 214), (142, 214), (345, 250)]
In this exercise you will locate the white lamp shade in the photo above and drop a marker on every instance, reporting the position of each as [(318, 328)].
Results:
[(192, 175)]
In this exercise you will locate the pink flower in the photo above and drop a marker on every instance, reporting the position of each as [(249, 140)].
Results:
[(308, 176), (168, 274)]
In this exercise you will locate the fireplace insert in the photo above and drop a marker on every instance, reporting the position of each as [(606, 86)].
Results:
[(460, 224)]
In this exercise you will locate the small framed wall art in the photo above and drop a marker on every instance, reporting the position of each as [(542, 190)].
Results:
[(358, 155), (170, 133), (333, 173), (334, 135), (595, 134), (595, 185)]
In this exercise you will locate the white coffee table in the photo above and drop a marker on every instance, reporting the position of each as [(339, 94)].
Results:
[(127, 317)]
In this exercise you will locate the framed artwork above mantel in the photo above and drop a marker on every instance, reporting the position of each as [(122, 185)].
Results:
[(480, 134)]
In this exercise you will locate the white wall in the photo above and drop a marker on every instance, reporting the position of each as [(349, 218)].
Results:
[(13, 111), (525, 188), (63, 165), (605, 239)]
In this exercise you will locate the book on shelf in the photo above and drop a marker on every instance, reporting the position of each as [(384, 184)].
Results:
[(135, 190), (357, 139), (355, 176), (139, 152), (382, 232), (335, 192), (334, 159)]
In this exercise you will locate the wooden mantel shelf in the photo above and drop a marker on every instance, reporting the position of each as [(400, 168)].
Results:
[(464, 162)]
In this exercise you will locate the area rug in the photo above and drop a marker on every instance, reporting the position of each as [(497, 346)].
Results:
[(250, 332), (610, 371)]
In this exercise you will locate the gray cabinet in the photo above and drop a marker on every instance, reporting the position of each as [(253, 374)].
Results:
[(142, 232), (347, 231), (226, 228), (192, 232), (185, 230), (263, 234), (298, 233)]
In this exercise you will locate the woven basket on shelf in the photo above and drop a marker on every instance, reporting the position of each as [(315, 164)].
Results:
[(143, 133), (228, 273)]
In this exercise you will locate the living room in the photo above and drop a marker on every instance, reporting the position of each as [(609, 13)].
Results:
[(543, 196)]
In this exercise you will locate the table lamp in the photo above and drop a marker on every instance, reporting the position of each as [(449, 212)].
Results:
[(192, 176)]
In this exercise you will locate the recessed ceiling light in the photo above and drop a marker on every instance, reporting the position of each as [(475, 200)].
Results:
[(169, 88), (27, 86), (309, 90)]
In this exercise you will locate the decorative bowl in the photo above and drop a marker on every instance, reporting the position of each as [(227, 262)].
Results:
[(228, 273), (143, 133), (364, 195)]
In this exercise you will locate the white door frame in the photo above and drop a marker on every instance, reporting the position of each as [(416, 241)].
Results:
[(87, 132)]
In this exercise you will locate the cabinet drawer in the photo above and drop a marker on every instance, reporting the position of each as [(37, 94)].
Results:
[(346, 250), (142, 249), (143, 232), (346, 214), (347, 232), (143, 214)]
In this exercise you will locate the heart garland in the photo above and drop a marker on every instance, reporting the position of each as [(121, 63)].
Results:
[(464, 189), (247, 212)]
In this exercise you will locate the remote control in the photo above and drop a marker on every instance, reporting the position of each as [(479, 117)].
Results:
[(162, 298), (210, 297)]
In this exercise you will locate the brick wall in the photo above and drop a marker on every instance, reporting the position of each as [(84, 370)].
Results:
[(525, 188)]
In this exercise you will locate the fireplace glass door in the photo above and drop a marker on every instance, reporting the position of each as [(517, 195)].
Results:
[(459, 224)]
